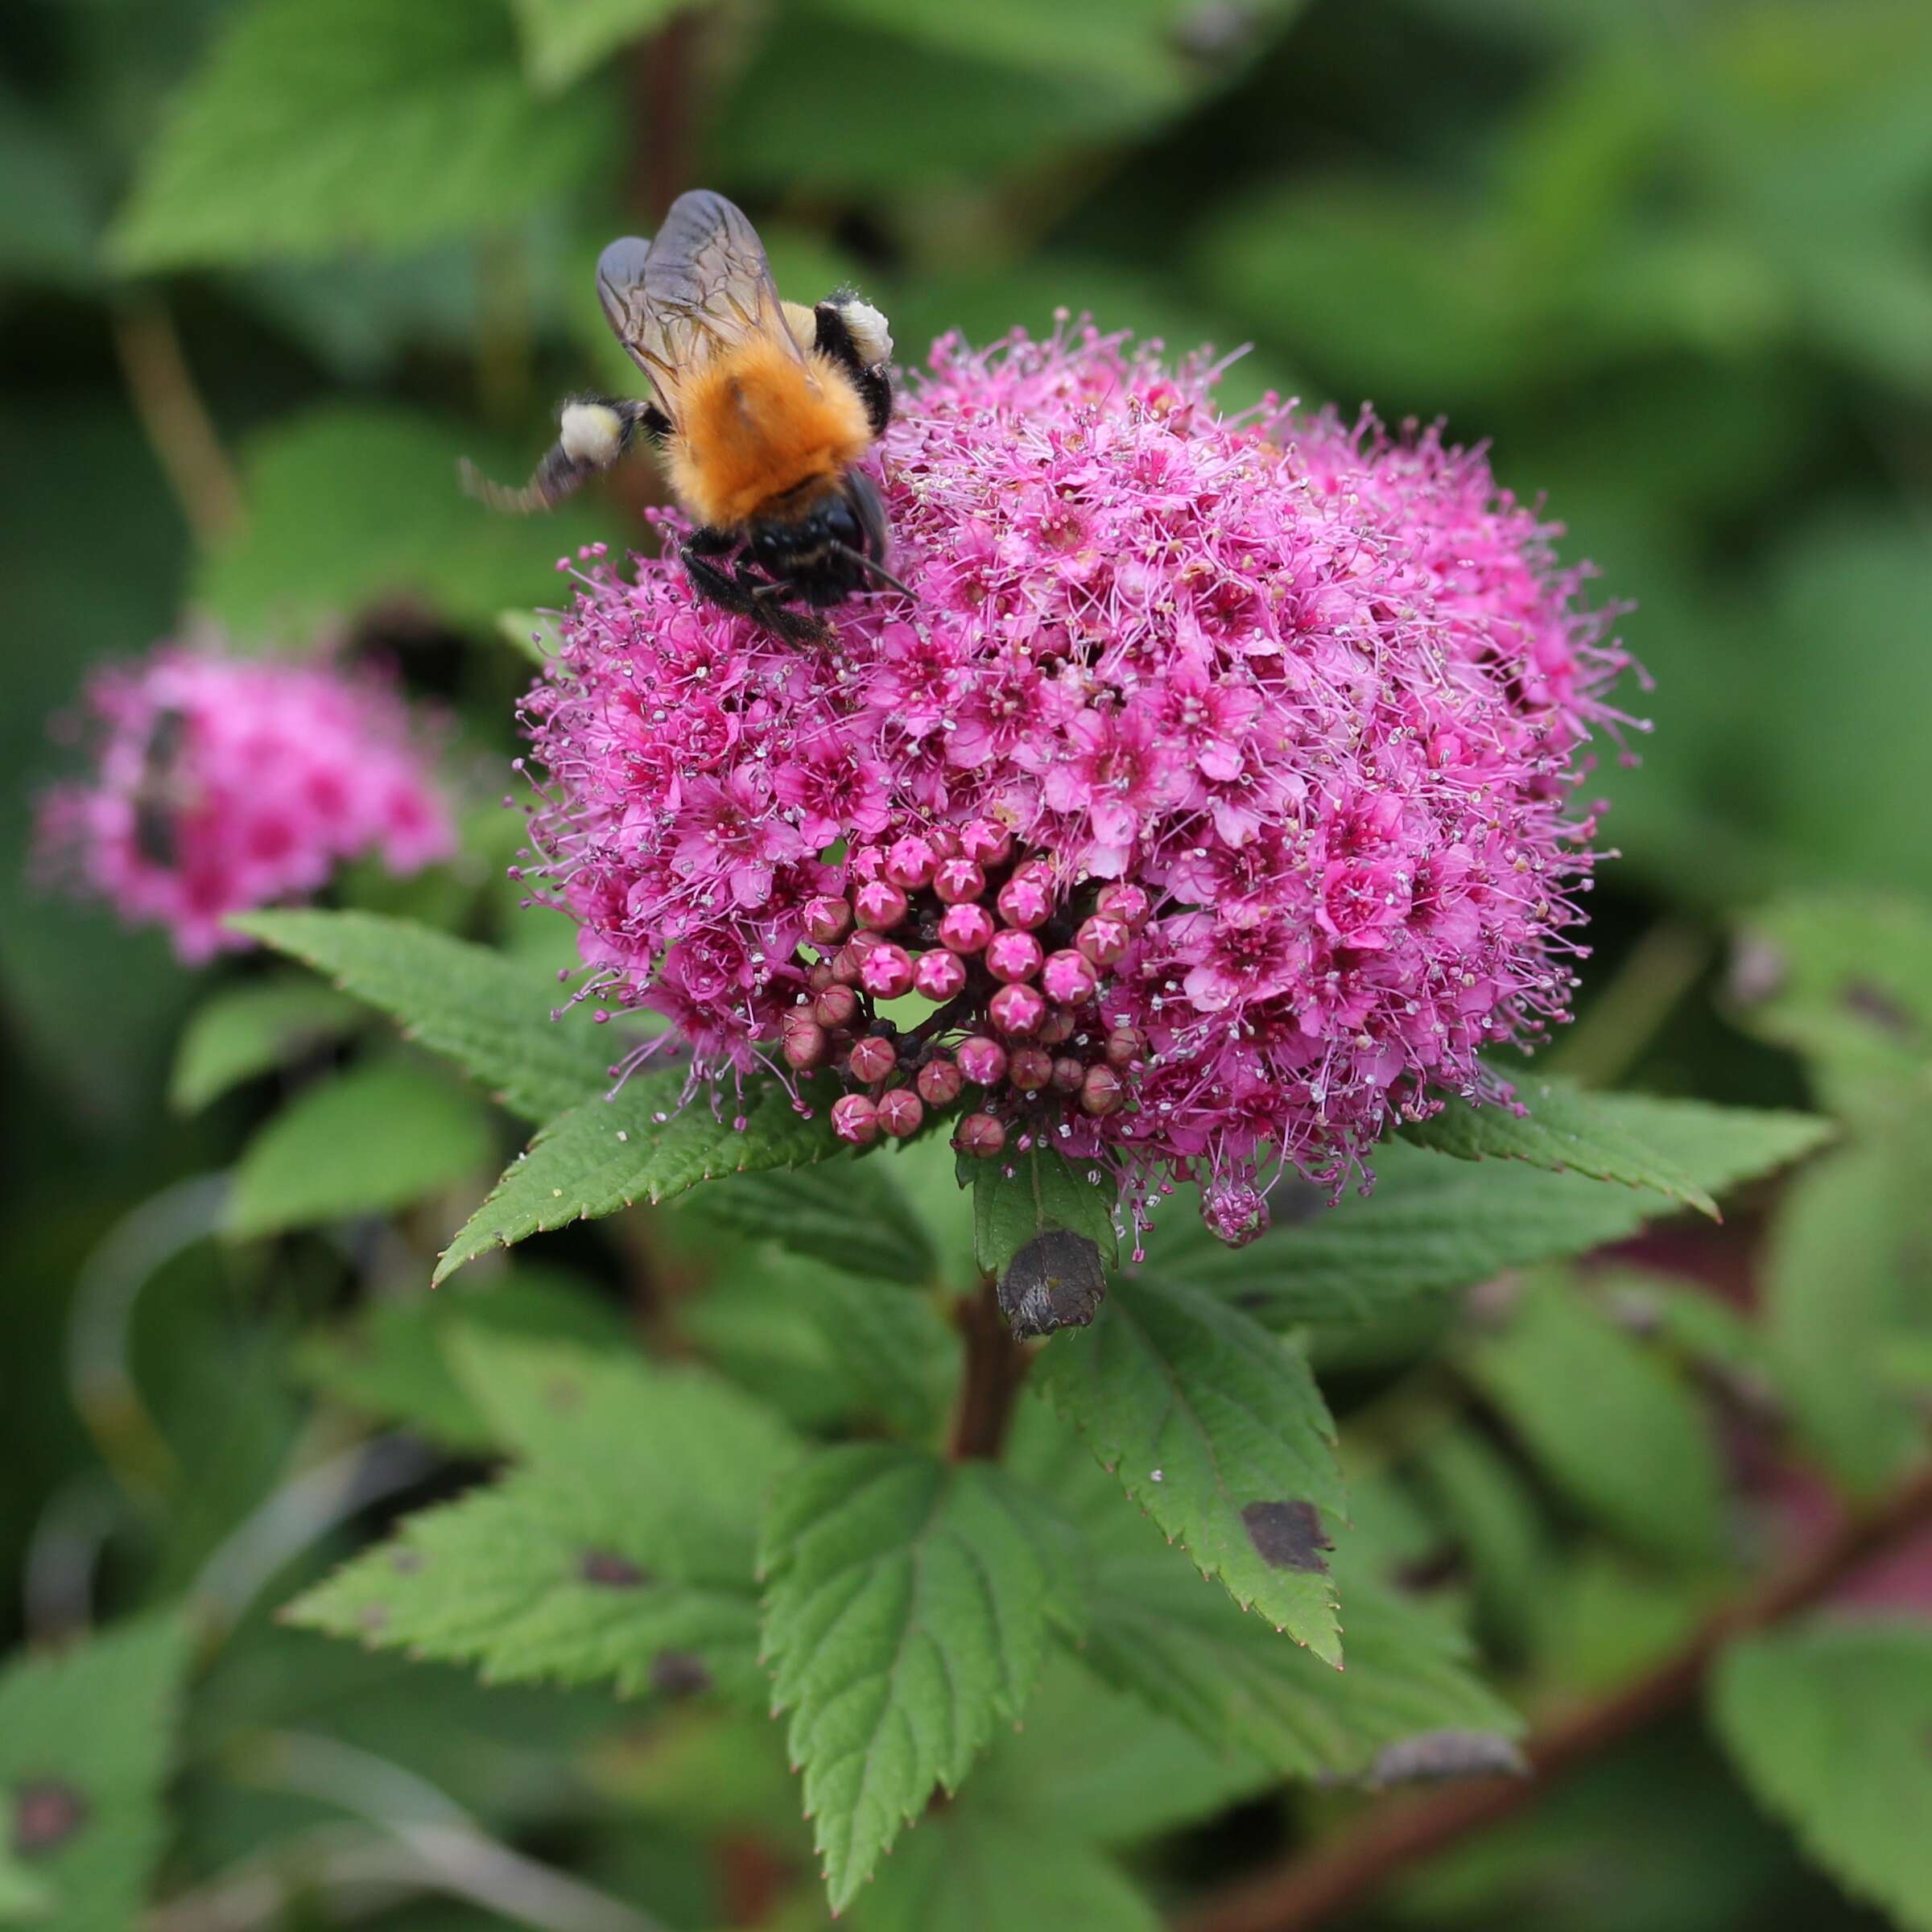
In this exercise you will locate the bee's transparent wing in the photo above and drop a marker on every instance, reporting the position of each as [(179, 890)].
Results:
[(699, 289)]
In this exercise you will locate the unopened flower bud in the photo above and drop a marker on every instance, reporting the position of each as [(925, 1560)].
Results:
[(835, 1006), (1102, 1092), (980, 1135), (1104, 939), (1017, 1009), (885, 971), (982, 1061), (845, 965), (820, 976), (965, 928), (1029, 1068), (1126, 902), (987, 841), (1026, 900), (938, 975), (1068, 1074), (865, 862), (1125, 1048), (879, 904), (1058, 1025), (957, 880), (827, 919), (910, 860), (1069, 977), (940, 1082), (1013, 956), (802, 1040), (900, 1112), (854, 1118), (872, 1060)]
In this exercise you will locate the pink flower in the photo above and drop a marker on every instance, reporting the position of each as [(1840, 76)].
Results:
[(1271, 722), (223, 783)]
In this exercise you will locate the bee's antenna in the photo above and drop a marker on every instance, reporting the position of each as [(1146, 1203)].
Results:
[(870, 563)]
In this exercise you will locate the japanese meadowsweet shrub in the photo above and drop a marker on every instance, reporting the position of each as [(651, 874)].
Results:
[(220, 783), (1207, 806)]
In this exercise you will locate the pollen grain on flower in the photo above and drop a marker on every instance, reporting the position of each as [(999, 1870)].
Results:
[(220, 783), (1212, 798)]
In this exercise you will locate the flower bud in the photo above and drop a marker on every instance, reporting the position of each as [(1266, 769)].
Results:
[(957, 880), (965, 928), (1126, 902), (1125, 1048), (900, 1112), (1069, 977), (982, 1061), (820, 977), (802, 1040), (1068, 1074), (1026, 900), (872, 1060), (1029, 1068), (940, 1082), (885, 971), (987, 841), (1011, 955), (1102, 1091), (1058, 1025), (909, 862), (980, 1135), (1104, 939), (854, 1118), (827, 919), (865, 862), (1017, 1009), (836, 1006), (938, 975), (879, 905), (845, 965)]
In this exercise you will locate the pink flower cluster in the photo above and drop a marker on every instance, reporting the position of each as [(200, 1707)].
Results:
[(1234, 755), (222, 783)]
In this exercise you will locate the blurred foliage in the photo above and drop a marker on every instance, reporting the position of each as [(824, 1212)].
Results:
[(1672, 258)]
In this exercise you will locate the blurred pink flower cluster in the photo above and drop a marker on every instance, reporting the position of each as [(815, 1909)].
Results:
[(1233, 756), (222, 783)]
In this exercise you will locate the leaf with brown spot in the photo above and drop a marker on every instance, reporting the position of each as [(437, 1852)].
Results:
[(1287, 1536)]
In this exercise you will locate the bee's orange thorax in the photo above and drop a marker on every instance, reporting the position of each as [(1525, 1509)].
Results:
[(757, 422)]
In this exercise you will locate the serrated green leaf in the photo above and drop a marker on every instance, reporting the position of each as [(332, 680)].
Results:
[(392, 1361), (1845, 982), (625, 1545), (1027, 1194), (1841, 1275), (490, 1014), (347, 507), (316, 125), (1215, 1428), (906, 1614), (245, 1030), (1432, 1223), (647, 1143), (86, 1743), (362, 1141), (849, 1212), (1567, 1130), (1610, 1422), (969, 1867), (564, 39), (1827, 1726)]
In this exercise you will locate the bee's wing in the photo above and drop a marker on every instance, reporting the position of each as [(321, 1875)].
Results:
[(700, 288)]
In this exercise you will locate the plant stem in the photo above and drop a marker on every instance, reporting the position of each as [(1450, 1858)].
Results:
[(996, 1364), (665, 81), (1345, 1872), (179, 429)]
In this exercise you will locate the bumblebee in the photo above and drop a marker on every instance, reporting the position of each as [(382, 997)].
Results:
[(761, 410)]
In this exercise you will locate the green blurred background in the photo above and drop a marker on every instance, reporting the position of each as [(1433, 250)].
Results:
[(270, 266)]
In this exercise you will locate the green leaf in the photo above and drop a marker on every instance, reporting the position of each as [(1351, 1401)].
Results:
[(1610, 1422), (1566, 1130), (1827, 1726), (534, 633), (564, 39), (490, 1014), (316, 125), (1016, 1199), (968, 1867), (1215, 1428), (245, 1030), (22, 1895), (1432, 1224), (851, 1213), (907, 1615), (1845, 1272), (393, 1362), (350, 507), (647, 1143), (85, 1744), (622, 1549), (1484, 1501), (1846, 983), (361, 1143)]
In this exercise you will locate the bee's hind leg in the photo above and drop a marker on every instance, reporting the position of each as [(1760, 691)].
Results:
[(739, 593)]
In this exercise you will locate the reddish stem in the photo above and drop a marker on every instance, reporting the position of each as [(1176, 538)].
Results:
[(996, 1364)]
